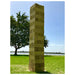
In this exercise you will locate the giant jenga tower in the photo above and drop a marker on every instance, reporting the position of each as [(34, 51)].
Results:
[(36, 43)]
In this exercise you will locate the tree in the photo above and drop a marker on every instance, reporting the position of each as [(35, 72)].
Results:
[(19, 32), (45, 42)]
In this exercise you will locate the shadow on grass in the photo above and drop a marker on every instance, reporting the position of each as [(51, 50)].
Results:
[(45, 72)]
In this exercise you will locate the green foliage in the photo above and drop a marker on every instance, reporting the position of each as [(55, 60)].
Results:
[(19, 32), (53, 65), (45, 42)]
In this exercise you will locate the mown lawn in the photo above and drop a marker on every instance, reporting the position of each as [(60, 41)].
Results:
[(53, 65)]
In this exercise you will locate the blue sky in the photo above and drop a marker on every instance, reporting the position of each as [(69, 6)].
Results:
[(54, 21)]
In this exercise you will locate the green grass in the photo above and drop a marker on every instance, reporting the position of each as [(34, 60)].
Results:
[(53, 65)]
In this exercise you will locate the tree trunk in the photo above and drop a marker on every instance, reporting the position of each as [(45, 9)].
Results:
[(15, 51)]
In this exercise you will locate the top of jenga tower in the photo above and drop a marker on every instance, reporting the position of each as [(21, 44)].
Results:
[(37, 5)]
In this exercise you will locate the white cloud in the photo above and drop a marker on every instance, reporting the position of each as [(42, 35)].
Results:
[(53, 44), (55, 48), (26, 48)]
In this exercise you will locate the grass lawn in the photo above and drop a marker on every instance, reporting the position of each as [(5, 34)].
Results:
[(53, 65)]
